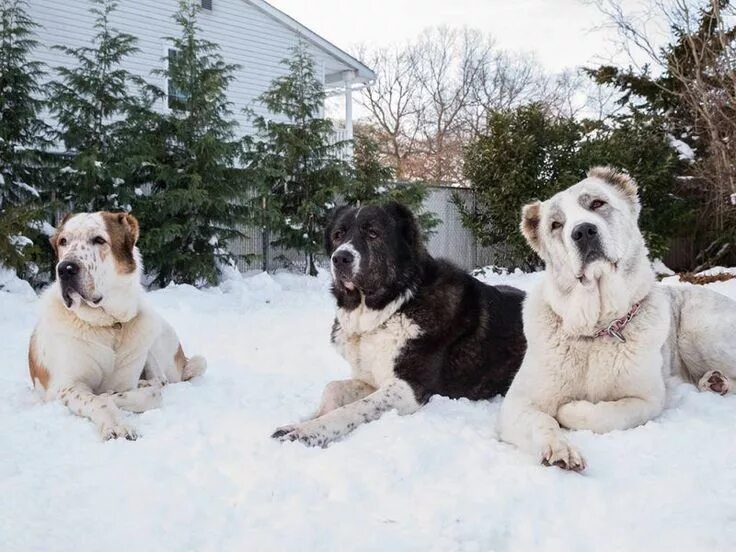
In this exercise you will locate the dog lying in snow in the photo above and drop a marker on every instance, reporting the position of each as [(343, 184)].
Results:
[(602, 335), (97, 336), (409, 325)]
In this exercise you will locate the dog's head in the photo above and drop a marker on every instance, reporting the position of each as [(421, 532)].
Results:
[(589, 228), (96, 257), (374, 253)]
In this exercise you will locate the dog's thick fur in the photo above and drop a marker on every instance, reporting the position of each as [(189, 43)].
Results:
[(409, 325), (596, 269), (97, 335)]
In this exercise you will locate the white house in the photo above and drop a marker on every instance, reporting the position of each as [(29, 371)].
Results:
[(251, 33)]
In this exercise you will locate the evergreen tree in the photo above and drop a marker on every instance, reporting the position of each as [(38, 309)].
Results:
[(92, 101), (196, 201), (297, 168), (22, 140), (639, 144), (693, 96), (373, 182), (524, 154)]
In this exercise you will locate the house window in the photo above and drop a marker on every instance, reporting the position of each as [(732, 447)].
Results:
[(175, 96), (207, 5)]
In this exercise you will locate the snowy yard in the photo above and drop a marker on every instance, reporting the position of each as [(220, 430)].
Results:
[(206, 476)]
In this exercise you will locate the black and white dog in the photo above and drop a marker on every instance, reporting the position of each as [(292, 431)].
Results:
[(409, 325)]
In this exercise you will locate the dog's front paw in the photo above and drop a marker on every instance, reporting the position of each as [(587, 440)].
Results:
[(559, 453), (117, 431), (715, 381), (307, 433)]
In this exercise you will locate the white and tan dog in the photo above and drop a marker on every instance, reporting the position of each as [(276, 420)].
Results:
[(602, 335), (99, 346)]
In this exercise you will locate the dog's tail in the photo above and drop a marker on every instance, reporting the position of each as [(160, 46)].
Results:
[(195, 366)]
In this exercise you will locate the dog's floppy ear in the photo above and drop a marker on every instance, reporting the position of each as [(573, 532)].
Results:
[(619, 180), (54, 239), (530, 215), (407, 223), (334, 216), (130, 223), (123, 230)]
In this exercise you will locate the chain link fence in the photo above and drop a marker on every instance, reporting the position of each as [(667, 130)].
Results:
[(450, 240)]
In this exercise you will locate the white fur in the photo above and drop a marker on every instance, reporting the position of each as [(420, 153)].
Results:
[(370, 340), (573, 380), (335, 424), (95, 355)]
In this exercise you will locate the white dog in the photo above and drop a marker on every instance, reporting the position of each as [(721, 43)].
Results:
[(602, 335), (97, 336)]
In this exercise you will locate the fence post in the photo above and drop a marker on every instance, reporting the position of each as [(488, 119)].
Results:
[(265, 238), (472, 234)]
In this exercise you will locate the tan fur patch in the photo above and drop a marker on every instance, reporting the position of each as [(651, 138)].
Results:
[(38, 371), (616, 178), (180, 360), (530, 224), (123, 231)]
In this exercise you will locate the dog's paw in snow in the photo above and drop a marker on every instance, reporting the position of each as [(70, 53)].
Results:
[(715, 381), (307, 433), (559, 453), (117, 431)]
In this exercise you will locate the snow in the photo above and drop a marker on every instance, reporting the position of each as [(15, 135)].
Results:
[(20, 242), (206, 476), (684, 151), (23, 186), (44, 227), (662, 269)]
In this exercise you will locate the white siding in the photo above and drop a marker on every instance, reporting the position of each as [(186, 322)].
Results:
[(247, 37)]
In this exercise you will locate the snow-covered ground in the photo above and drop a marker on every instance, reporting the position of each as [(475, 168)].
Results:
[(206, 476)]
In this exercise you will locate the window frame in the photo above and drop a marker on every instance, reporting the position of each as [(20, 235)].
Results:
[(181, 97)]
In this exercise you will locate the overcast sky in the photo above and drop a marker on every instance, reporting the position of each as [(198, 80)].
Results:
[(559, 32)]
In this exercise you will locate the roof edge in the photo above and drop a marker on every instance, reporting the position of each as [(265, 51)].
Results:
[(363, 72)]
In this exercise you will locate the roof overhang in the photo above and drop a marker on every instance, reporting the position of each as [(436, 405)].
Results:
[(361, 73)]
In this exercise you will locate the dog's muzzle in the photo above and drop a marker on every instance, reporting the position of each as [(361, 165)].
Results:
[(69, 273), (587, 240), (343, 267)]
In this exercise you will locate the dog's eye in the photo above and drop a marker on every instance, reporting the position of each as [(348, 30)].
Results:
[(337, 236), (99, 240), (556, 225), (372, 234), (62, 242), (597, 204)]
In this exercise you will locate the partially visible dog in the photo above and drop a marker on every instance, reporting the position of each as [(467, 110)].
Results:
[(409, 325), (99, 346), (602, 335)]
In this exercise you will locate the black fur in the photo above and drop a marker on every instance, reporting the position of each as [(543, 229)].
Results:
[(471, 342)]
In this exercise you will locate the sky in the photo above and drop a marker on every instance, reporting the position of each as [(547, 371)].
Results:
[(561, 33)]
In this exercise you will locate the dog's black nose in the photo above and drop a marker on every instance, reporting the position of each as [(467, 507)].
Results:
[(584, 232), (342, 258), (67, 270), (586, 239)]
